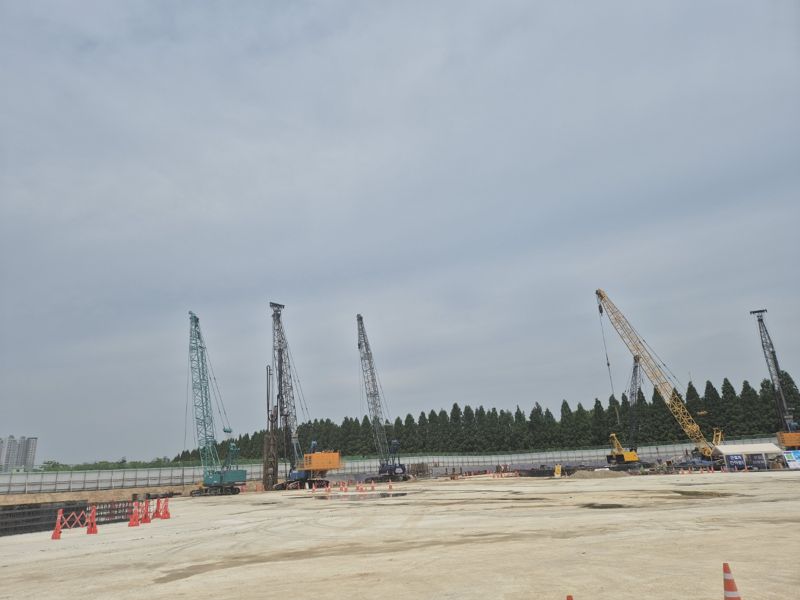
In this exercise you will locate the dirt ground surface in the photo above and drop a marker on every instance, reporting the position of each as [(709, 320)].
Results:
[(636, 537)]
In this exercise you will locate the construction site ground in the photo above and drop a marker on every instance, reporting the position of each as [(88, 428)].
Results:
[(630, 537)]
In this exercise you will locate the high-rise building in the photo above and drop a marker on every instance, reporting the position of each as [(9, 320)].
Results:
[(27, 455), (19, 453), (10, 459)]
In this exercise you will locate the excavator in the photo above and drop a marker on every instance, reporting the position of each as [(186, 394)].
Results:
[(664, 383)]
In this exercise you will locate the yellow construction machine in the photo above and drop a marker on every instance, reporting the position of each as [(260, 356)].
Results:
[(620, 456)]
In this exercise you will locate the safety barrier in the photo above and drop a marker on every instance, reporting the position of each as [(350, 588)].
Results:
[(434, 465)]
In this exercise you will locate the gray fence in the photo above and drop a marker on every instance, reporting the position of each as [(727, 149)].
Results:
[(81, 481)]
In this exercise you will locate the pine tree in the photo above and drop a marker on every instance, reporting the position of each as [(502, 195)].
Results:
[(750, 405), (519, 431), (551, 434), (469, 430), (422, 428), (481, 428), (599, 429), (713, 404), (536, 428), (410, 439), (455, 434), (567, 437)]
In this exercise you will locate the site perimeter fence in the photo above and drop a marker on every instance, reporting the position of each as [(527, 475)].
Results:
[(42, 517), (435, 464)]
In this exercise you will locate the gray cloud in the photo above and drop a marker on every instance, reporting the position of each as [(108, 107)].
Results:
[(463, 175)]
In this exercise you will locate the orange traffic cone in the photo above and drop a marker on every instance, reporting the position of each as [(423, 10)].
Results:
[(146, 512), (731, 593), (569, 597), (91, 526), (165, 509), (134, 522), (57, 531), (157, 513), (313, 488)]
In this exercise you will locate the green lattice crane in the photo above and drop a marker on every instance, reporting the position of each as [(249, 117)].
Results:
[(218, 478)]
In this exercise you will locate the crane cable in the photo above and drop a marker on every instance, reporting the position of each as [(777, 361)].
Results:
[(605, 347)]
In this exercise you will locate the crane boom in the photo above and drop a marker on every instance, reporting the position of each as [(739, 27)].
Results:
[(374, 401), (201, 399), (285, 400), (666, 388), (771, 357), (217, 478), (633, 399)]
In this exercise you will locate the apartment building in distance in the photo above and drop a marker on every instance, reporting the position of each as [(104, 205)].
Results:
[(18, 454)]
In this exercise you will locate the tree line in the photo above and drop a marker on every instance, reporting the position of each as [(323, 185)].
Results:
[(468, 429)]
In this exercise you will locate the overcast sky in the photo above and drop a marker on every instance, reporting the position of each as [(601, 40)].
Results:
[(464, 174)]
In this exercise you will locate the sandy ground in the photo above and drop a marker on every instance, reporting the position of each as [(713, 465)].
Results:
[(648, 537)]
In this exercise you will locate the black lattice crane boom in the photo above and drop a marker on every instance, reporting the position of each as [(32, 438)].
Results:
[(390, 466), (664, 383), (287, 407), (790, 438), (305, 469)]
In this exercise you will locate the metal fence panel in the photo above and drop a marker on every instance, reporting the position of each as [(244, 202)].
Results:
[(78, 481)]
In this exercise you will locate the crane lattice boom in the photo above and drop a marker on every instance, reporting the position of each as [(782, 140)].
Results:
[(201, 397), (634, 387), (666, 388), (374, 400), (771, 357), (283, 372)]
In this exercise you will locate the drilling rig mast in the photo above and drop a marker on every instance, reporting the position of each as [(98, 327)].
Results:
[(789, 438), (665, 384), (305, 469), (390, 466)]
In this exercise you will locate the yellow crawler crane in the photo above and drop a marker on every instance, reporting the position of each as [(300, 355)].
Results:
[(620, 456), (660, 380)]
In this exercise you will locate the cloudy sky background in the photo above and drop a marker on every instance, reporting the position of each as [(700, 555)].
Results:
[(465, 175)]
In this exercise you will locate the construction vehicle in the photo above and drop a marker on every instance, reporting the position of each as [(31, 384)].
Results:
[(305, 470), (390, 468), (789, 436), (619, 456), (663, 382), (218, 478)]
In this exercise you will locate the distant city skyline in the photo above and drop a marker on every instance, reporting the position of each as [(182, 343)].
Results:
[(16, 453)]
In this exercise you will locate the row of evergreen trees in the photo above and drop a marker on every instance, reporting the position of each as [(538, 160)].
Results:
[(749, 412)]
